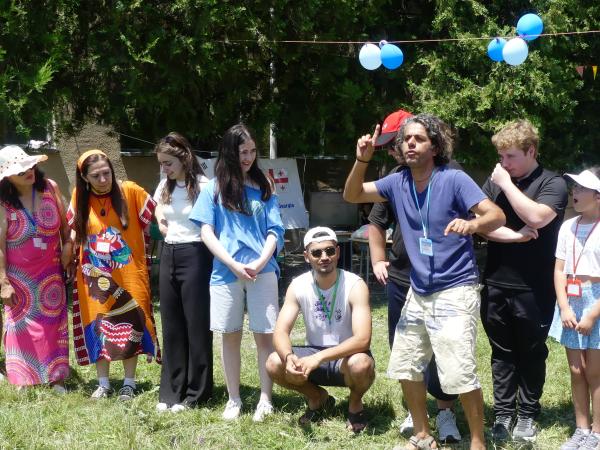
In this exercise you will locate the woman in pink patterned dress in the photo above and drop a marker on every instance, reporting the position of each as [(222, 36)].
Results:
[(32, 228)]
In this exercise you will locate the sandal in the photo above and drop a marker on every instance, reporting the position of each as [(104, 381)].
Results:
[(420, 444), (314, 415), (356, 421)]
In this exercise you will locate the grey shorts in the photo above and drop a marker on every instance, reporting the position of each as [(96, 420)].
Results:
[(260, 297), (327, 374)]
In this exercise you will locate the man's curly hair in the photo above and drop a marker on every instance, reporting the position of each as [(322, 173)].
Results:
[(439, 134)]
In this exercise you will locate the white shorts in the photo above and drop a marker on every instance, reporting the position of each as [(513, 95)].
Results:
[(444, 324), (262, 302)]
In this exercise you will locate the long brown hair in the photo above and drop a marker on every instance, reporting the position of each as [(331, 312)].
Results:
[(228, 171), (82, 207), (174, 144)]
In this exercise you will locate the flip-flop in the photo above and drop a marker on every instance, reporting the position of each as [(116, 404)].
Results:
[(314, 415), (356, 421)]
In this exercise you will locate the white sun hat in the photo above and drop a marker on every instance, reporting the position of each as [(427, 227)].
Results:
[(587, 179), (14, 160)]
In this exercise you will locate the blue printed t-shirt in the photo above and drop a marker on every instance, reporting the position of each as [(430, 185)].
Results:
[(242, 236), (453, 194)]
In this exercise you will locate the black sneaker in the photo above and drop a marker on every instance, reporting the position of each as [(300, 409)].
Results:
[(525, 429), (126, 393), (501, 428)]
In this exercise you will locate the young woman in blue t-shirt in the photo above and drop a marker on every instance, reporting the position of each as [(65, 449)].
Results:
[(242, 227)]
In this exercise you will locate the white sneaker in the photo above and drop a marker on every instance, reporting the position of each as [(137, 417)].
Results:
[(162, 407), (263, 409), (407, 426), (102, 392), (446, 426), (232, 409), (178, 407)]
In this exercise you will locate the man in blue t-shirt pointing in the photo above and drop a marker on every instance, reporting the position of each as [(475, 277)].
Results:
[(435, 207)]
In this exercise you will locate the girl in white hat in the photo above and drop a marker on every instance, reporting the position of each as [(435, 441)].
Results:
[(35, 248), (575, 324)]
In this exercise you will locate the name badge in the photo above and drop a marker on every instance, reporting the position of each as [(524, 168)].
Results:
[(426, 246), (102, 246), (574, 288)]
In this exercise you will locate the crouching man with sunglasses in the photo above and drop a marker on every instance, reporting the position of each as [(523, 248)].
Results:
[(337, 316)]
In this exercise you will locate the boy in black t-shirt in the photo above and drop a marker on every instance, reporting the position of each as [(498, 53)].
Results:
[(517, 302)]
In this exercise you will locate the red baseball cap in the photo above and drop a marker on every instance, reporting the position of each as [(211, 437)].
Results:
[(390, 127)]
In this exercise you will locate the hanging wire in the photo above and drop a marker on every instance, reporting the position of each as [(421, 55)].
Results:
[(407, 41)]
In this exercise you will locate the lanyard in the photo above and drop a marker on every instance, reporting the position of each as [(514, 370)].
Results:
[(29, 215), (576, 261), (414, 189), (321, 297)]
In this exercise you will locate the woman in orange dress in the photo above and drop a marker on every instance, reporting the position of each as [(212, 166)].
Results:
[(112, 310)]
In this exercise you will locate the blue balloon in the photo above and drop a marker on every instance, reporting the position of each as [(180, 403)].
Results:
[(494, 49), (530, 26), (370, 56), (515, 51), (391, 56)]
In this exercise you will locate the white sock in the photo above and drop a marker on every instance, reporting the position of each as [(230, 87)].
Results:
[(129, 382), (103, 381)]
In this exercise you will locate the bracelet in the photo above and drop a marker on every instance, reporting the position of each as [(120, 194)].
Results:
[(362, 161), (287, 356)]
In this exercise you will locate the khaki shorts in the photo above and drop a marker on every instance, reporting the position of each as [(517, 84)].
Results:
[(444, 324)]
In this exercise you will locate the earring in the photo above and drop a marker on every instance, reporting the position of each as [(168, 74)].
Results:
[(87, 185)]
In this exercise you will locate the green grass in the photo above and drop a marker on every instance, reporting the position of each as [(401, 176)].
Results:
[(38, 418)]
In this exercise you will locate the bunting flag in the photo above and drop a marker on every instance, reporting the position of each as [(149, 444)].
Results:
[(581, 69)]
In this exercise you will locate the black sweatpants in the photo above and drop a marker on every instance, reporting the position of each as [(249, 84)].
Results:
[(187, 363), (396, 295), (517, 324)]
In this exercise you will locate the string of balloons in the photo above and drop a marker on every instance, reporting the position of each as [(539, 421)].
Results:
[(514, 52)]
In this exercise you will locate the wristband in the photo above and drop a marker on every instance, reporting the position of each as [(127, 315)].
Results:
[(362, 161), (286, 357)]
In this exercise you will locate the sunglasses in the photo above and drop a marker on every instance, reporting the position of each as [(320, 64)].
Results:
[(20, 174), (317, 252)]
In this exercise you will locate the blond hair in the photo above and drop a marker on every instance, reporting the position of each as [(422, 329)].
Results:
[(520, 134)]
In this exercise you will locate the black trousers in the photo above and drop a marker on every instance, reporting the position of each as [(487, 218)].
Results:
[(187, 365), (396, 294), (517, 324)]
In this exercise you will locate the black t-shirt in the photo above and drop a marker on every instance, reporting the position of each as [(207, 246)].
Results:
[(382, 214), (527, 265)]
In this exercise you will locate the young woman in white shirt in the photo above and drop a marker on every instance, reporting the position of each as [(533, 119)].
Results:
[(185, 268)]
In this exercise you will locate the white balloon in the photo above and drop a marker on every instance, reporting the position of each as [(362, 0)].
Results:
[(515, 51), (370, 56)]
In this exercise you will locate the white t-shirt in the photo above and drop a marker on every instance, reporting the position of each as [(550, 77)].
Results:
[(589, 263), (319, 331), (180, 228)]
